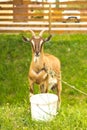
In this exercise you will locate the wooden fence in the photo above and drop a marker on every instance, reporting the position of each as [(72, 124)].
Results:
[(56, 17)]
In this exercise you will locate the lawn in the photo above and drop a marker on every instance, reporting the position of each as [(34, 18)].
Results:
[(15, 57)]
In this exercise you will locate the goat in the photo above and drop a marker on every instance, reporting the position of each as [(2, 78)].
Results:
[(45, 69)]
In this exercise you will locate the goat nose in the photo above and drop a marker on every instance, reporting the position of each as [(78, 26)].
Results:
[(37, 54)]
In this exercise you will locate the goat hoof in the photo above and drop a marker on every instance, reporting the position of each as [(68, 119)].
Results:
[(31, 94)]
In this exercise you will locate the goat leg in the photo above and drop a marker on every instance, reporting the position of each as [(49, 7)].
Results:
[(44, 86), (31, 87), (59, 89)]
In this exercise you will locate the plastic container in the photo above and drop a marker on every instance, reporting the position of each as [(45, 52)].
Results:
[(44, 106)]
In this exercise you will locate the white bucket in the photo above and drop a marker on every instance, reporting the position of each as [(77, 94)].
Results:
[(43, 106)]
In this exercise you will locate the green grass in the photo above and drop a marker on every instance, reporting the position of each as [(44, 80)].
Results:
[(15, 57)]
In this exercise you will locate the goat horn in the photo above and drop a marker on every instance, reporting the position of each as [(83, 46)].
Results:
[(42, 32), (32, 32)]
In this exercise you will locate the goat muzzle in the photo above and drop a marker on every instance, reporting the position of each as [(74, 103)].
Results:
[(37, 54)]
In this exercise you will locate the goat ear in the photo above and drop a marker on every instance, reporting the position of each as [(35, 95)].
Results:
[(48, 38), (25, 39)]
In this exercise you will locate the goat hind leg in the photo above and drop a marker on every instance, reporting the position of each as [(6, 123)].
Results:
[(44, 87), (59, 89)]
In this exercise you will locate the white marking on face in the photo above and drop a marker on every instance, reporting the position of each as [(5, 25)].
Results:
[(41, 42)]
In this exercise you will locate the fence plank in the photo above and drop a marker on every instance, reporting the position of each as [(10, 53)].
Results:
[(42, 15)]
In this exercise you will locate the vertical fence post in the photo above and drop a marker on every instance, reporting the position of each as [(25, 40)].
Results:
[(19, 9), (50, 17)]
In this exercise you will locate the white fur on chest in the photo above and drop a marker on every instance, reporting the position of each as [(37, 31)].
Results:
[(36, 58)]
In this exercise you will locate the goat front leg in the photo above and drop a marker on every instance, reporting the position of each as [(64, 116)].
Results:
[(31, 87)]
